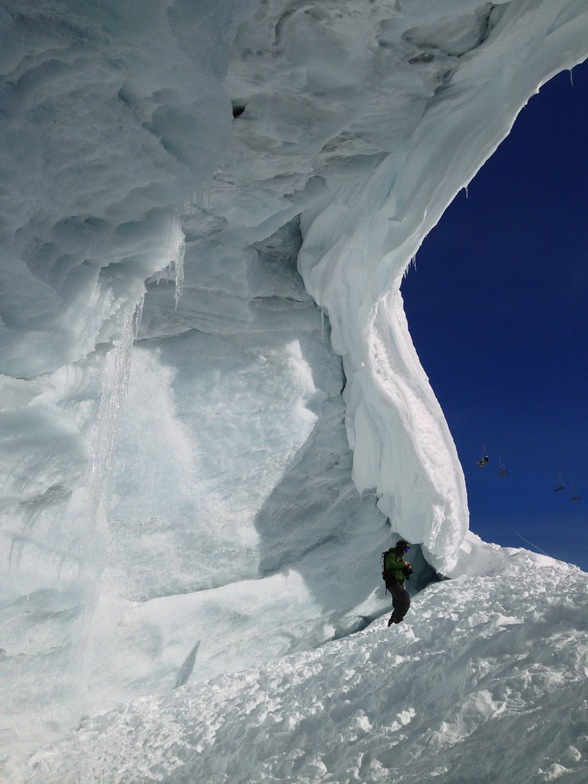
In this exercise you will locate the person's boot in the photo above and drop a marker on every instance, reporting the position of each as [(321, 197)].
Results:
[(391, 621)]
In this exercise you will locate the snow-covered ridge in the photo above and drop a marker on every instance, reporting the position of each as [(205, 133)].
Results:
[(185, 490)]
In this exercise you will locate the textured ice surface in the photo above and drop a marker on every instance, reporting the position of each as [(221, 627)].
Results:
[(209, 400)]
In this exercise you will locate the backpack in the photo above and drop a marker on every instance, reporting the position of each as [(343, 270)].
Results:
[(383, 562)]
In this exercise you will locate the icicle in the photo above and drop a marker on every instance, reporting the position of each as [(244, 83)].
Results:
[(467, 193), (178, 265), (176, 242), (571, 77), (412, 264), (175, 251), (138, 316)]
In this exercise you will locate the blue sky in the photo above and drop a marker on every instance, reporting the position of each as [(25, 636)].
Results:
[(498, 311)]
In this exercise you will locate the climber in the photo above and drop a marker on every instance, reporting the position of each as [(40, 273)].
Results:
[(395, 570)]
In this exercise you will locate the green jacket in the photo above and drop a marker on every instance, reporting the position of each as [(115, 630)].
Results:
[(394, 566)]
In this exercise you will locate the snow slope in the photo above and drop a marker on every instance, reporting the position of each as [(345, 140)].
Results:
[(485, 682)]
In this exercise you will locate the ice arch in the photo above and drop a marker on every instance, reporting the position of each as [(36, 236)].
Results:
[(382, 197), (259, 158)]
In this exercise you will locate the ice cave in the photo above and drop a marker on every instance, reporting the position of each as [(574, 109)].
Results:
[(213, 419)]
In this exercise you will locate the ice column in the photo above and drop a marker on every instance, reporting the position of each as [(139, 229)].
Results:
[(115, 383)]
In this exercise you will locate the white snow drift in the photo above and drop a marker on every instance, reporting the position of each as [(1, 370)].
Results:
[(485, 684)]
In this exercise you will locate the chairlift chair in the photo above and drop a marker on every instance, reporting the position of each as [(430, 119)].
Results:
[(484, 459)]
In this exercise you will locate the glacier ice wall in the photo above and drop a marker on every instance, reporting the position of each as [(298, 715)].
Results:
[(395, 107), (209, 402)]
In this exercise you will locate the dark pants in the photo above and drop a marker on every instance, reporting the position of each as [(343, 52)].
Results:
[(400, 600)]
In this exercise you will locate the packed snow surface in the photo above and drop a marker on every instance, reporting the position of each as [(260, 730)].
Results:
[(212, 416), (485, 682)]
